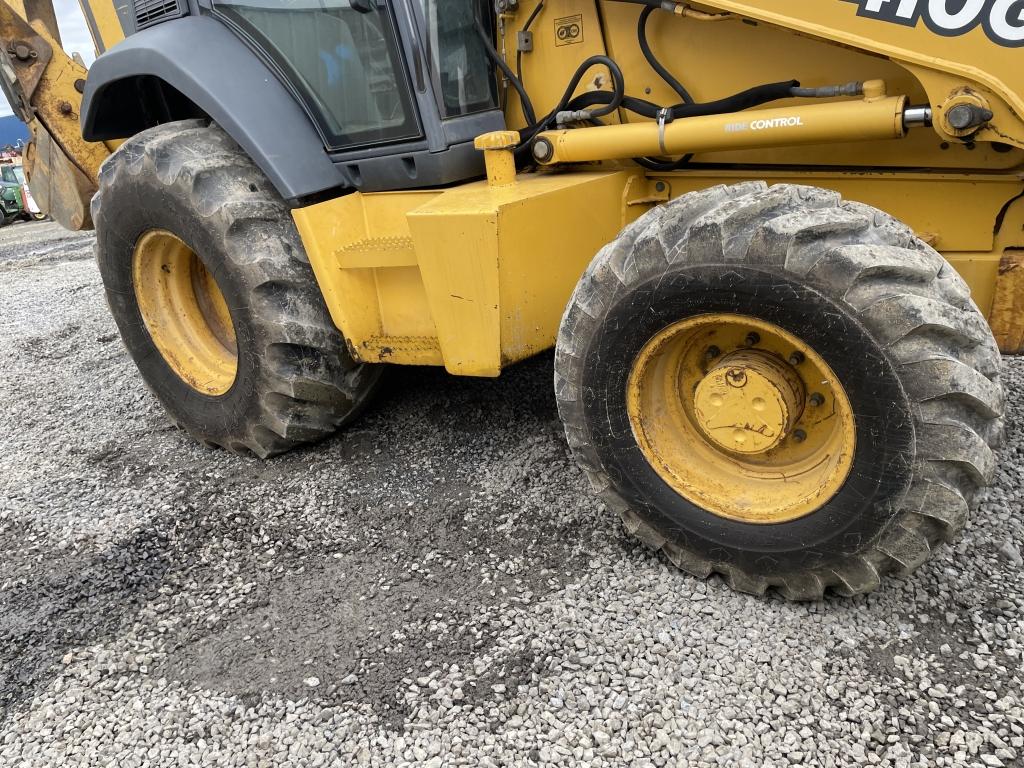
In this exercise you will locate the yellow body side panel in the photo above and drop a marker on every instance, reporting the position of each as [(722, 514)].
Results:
[(556, 54), (717, 59), (471, 278), (362, 253), (476, 277), (969, 54), (500, 263)]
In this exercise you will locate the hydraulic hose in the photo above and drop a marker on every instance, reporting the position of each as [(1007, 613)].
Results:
[(615, 97), (531, 117), (526, 28), (752, 97), (668, 77), (657, 66)]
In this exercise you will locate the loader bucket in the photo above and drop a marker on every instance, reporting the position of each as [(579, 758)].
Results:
[(58, 186), (43, 86)]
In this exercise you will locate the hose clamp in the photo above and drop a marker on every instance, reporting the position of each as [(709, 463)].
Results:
[(664, 117)]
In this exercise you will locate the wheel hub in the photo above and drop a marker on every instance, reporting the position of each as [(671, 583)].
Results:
[(185, 312), (741, 417), (749, 402)]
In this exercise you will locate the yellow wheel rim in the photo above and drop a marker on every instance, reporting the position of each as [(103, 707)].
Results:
[(185, 312), (741, 418)]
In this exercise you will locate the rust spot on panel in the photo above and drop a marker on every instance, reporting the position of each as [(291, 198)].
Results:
[(1007, 316)]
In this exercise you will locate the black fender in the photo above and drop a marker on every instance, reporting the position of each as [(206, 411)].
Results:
[(197, 67)]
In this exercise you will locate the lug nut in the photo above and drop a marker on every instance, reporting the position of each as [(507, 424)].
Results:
[(817, 399), (712, 352), (753, 338), (796, 358), (799, 435)]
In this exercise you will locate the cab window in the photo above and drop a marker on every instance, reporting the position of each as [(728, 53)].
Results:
[(344, 60)]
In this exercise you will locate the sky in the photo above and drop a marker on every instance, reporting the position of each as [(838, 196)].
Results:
[(74, 35)]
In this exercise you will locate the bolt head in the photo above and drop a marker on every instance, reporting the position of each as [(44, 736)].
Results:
[(753, 338), (799, 435), (796, 358), (960, 117), (736, 377), (817, 399)]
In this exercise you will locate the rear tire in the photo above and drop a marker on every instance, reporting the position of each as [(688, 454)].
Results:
[(887, 313), (294, 381)]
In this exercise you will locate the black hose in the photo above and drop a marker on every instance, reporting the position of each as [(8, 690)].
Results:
[(665, 5), (611, 100), (668, 77), (663, 166), (752, 97), (645, 48), (526, 28), (528, 112)]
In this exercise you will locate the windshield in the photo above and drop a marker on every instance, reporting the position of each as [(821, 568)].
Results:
[(344, 59), (467, 82), (11, 174)]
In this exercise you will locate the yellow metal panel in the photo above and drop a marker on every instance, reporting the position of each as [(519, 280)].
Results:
[(495, 265), (545, 246), (458, 257), (969, 54), (403, 303), (360, 249), (718, 59), (565, 33), (499, 263)]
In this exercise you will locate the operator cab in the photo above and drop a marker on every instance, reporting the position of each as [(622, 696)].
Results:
[(397, 90)]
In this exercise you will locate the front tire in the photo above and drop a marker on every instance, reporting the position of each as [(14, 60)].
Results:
[(214, 297), (883, 313)]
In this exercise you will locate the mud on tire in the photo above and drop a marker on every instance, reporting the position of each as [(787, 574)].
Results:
[(295, 381), (889, 315)]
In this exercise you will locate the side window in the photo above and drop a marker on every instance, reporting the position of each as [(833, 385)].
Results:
[(344, 60), (8, 174), (463, 70)]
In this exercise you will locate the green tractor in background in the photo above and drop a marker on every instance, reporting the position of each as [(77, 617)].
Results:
[(15, 199)]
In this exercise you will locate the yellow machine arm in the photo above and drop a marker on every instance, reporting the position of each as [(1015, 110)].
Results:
[(44, 86)]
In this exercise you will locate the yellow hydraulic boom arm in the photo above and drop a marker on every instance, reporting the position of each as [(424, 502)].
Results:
[(44, 87)]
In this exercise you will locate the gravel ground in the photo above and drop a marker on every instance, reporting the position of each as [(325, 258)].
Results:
[(434, 586)]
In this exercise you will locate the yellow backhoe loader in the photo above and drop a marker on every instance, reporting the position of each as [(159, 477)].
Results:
[(776, 245)]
